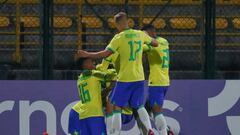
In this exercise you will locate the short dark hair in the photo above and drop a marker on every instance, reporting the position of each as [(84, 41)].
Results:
[(79, 63), (148, 27), (119, 16)]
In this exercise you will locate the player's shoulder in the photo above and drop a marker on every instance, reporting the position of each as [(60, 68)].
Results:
[(129, 31), (162, 41), (138, 31), (116, 36), (134, 30)]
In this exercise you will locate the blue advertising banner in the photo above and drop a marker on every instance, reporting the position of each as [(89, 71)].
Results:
[(192, 107)]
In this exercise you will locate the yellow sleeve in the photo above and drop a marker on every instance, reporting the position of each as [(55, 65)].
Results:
[(146, 38), (111, 75), (146, 48), (108, 75), (100, 67), (114, 44), (113, 57), (104, 65), (163, 41), (105, 62), (99, 75)]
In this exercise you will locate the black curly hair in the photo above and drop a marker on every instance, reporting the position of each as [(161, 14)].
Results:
[(148, 27), (79, 62)]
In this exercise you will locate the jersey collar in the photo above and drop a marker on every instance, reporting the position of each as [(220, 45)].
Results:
[(127, 29)]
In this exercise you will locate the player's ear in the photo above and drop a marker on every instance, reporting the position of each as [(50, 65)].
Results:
[(145, 32)]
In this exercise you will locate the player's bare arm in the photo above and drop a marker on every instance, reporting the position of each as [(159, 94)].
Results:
[(101, 54)]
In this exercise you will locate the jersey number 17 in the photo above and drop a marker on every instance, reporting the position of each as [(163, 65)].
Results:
[(133, 50)]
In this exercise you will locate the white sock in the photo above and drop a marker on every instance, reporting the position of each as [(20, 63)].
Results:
[(109, 124), (161, 124), (117, 123), (144, 117)]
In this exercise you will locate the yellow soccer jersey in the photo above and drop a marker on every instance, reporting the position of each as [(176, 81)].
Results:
[(77, 107), (114, 59), (129, 45), (89, 87), (158, 58), (147, 48)]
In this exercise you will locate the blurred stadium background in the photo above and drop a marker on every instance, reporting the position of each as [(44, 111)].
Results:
[(38, 38)]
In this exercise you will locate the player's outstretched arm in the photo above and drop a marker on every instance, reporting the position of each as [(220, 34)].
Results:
[(101, 54)]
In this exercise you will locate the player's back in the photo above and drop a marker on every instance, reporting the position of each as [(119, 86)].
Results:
[(89, 87), (129, 44), (158, 59)]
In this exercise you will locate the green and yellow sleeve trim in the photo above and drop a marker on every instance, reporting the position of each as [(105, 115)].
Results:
[(110, 49), (149, 47), (108, 60)]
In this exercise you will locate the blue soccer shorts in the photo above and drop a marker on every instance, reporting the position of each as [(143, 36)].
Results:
[(128, 94), (87, 126), (157, 95), (73, 122)]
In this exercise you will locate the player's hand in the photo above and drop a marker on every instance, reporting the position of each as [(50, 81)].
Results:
[(100, 67), (82, 53)]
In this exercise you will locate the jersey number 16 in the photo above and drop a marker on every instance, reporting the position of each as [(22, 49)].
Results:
[(84, 94)]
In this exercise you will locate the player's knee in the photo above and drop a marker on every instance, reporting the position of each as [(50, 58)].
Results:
[(109, 108), (157, 108)]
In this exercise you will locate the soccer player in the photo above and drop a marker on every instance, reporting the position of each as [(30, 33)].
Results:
[(74, 121), (127, 113), (90, 107), (158, 58), (129, 88)]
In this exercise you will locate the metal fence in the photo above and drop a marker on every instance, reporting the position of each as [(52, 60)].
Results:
[(228, 39), (88, 24), (20, 39)]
